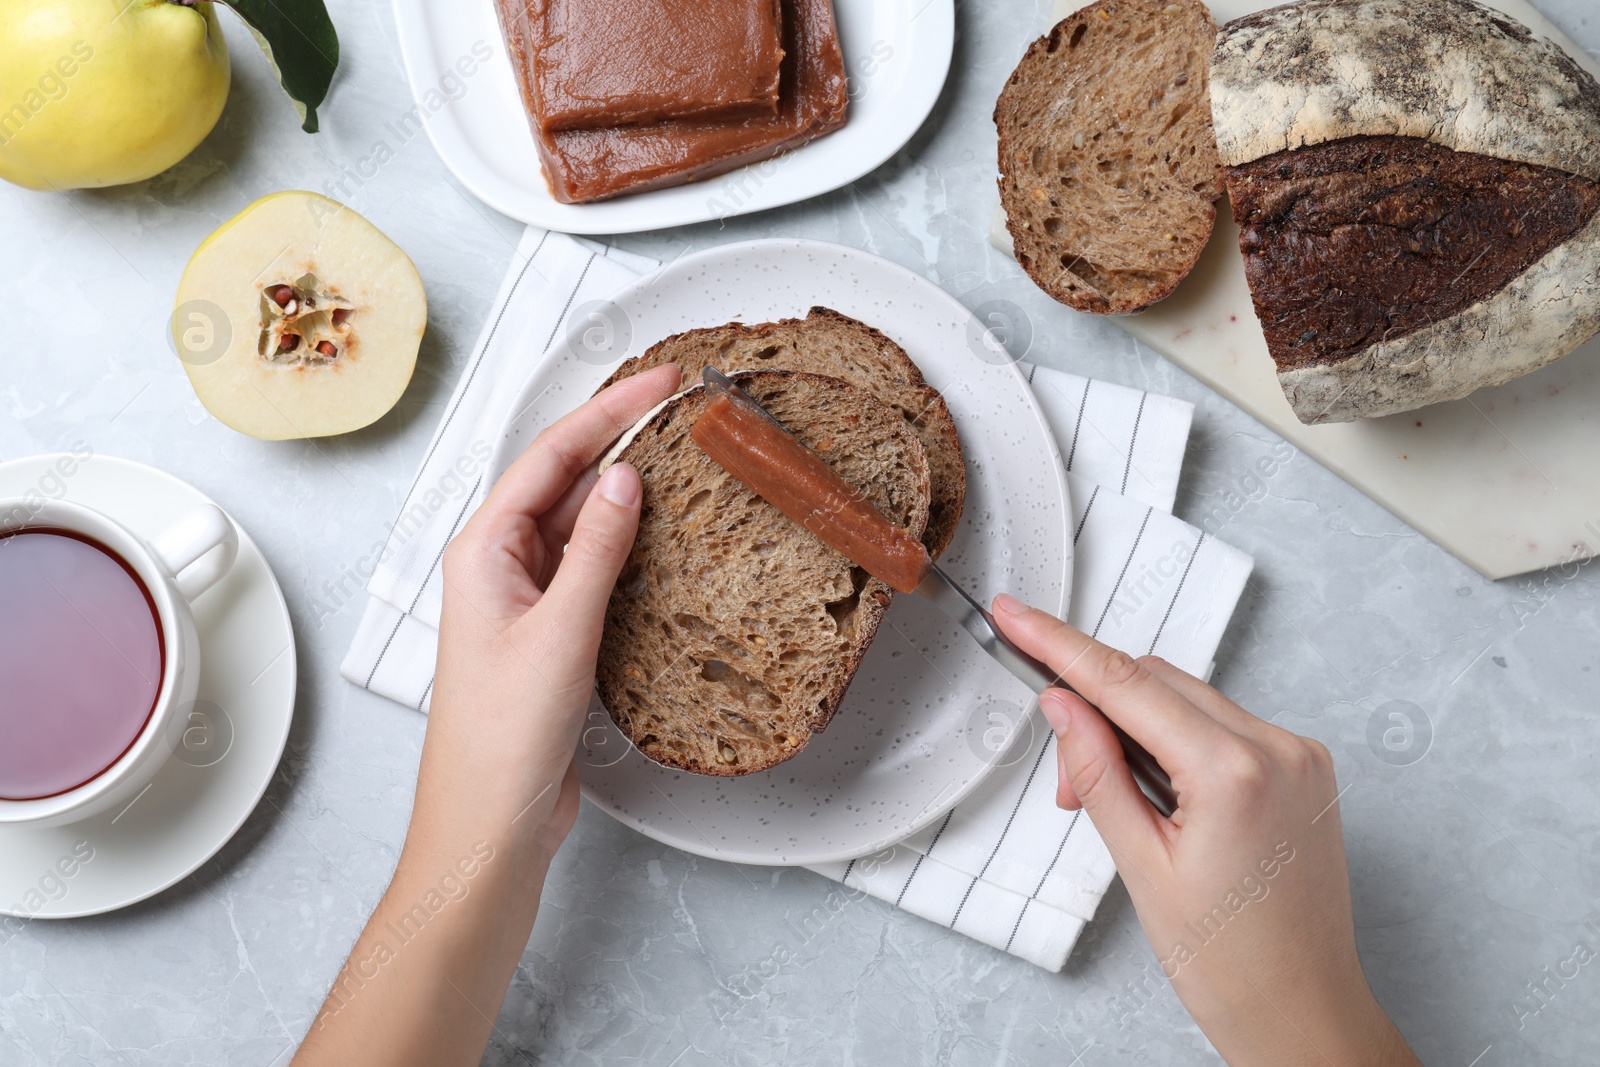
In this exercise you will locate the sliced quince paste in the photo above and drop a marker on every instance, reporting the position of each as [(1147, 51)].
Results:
[(321, 318)]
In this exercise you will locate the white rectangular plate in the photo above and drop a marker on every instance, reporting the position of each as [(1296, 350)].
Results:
[(897, 53), (1506, 479)]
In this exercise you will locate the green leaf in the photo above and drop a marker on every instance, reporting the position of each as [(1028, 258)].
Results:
[(300, 43)]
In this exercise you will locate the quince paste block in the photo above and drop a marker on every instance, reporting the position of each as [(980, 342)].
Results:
[(598, 63)]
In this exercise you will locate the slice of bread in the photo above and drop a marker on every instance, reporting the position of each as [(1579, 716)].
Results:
[(733, 632), (826, 342), (1109, 173)]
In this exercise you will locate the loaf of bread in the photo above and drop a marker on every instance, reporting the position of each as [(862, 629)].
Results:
[(734, 632), (1417, 184), (1108, 168), (826, 342)]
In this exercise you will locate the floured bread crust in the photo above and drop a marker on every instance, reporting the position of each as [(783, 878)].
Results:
[(1448, 71)]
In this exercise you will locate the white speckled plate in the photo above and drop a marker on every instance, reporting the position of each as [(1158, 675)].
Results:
[(240, 719), (897, 54), (915, 733)]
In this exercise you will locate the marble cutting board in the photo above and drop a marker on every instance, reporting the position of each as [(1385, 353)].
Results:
[(1508, 479)]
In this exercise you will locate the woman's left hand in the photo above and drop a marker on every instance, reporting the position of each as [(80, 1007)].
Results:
[(526, 587), (525, 591)]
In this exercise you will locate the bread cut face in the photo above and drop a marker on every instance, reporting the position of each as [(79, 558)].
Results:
[(1108, 167), (827, 342), (733, 631), (1417, 184)]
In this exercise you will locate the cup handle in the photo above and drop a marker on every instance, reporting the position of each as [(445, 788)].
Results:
[(192, 537)]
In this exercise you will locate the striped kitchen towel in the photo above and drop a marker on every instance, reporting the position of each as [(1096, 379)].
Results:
[(1005, 866)]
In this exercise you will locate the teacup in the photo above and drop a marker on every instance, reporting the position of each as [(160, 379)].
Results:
[(175, 568)]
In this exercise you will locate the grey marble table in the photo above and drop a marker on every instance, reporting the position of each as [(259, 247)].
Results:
[(1474, 867)]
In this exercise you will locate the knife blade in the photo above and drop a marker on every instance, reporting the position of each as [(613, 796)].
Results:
[(750, 443)]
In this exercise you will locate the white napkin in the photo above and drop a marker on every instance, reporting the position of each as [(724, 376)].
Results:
[(1129, 441), (1006, 866)]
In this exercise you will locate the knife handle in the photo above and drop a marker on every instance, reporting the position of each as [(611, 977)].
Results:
[(1148, 774), (974, 618)]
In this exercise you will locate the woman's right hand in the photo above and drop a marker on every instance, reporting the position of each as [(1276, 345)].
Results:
[(1244, 892)]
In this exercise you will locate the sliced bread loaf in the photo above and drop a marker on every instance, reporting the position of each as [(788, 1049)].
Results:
[(1109, 173), (1419, 231), (733, 632), (826, 342)]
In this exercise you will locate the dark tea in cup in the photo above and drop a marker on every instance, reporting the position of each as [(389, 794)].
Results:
[(81, 661)]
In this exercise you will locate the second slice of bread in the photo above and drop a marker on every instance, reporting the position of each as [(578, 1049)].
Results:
[(733, 632), (828, 342)]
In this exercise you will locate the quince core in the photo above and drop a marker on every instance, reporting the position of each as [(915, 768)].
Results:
[(299, 318)]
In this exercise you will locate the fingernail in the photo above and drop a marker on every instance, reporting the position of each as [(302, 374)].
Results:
[(1054, 705), (1006, 604), (620, 485)]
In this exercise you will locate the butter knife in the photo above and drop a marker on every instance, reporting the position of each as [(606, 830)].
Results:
[(935, 584)]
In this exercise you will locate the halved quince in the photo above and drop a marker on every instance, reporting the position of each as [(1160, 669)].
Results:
[(299, 318)]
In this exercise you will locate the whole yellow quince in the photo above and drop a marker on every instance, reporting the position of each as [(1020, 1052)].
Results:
[(105, 92)]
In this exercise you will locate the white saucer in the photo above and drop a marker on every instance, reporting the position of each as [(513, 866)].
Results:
[(918, 730), (897, 56), (202, 795)]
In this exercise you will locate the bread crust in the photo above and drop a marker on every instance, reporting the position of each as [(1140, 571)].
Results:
[(1540, 316), (1448, 71), (1458, 75)]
